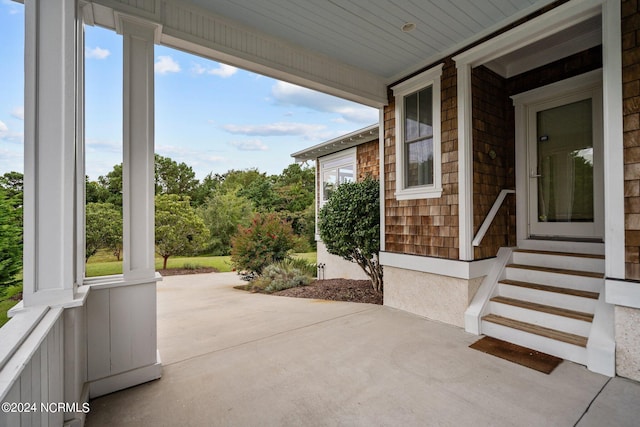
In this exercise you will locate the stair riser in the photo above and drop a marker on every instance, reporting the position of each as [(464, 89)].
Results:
[(559, 261), (547, 320), (554, 279), (570, 302), (546, 345)]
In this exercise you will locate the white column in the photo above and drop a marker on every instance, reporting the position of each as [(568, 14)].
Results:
[(613, 141), (50, 151), (138, 159), (465, 162)]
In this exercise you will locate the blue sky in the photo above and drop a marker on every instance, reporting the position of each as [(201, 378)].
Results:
[(209, 115)]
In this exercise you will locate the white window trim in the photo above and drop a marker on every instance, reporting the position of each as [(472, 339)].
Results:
[(349, 157), (428, 78)]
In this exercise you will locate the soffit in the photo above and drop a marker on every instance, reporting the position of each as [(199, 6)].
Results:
[(367, 33)]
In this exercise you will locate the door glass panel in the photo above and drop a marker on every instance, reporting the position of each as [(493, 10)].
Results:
[(565, 163)]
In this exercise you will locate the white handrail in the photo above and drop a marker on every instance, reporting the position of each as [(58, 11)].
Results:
[(491, 216)]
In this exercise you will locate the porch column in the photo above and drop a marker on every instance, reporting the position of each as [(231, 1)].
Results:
[(138, 183), (50, 167), (465, 162)]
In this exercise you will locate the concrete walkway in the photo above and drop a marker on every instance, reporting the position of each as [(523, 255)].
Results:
[(237, 359)]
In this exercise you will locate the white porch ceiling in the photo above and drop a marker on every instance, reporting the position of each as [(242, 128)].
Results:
[(367, 33), (348, 48)]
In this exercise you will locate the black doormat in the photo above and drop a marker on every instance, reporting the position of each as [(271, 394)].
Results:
[(533, 359)]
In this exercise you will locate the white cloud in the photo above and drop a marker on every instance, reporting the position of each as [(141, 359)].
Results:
[(274, 129), (285, 93), (166, 64), (6, 135), (250, 145), (198, 69), (97, 53), (222, 70), (18, 113)]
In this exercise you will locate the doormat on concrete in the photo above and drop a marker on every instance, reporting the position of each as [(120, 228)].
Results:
[(533, 359)]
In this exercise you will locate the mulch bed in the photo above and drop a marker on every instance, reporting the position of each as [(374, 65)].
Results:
[(336, 290), (181, 271)]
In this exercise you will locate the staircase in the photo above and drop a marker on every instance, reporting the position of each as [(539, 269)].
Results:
[(545, 301)]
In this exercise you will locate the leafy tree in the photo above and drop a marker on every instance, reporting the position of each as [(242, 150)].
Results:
[(206, 189), (266, 240), (179, 230), (95, 192), (222, 213), (349, 225), (10, 240), (13, 185), (112, 186), (173, 177), (103, 229)]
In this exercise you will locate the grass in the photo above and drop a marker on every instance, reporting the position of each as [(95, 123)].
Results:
[(6, 303), (100, 267)]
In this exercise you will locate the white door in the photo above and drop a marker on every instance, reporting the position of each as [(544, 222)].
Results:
[(565, 182)]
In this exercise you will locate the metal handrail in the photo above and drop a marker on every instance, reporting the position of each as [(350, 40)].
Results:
[(491, 216)]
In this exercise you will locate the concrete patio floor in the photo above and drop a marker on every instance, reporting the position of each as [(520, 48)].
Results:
[(232, 358)]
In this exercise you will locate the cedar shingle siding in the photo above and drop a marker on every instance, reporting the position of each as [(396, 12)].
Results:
[(425, 226), (368, 159), (430, 226), (631, 127)]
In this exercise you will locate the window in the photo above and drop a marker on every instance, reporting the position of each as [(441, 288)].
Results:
[(418, 157), (335, 170)]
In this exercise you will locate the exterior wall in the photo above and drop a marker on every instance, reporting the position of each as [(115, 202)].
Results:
[(493, 160), (368, 160), (367, 164), (631, 128), (433, 296), (426, 227), (628, 318), (627, 342), (337, 268)]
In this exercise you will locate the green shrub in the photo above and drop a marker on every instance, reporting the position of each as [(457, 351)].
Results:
[(191, 266), (265, 241), (349, 225), (308, 268), (280, 276)]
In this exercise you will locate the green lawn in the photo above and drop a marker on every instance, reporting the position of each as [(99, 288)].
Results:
[(102, 267)]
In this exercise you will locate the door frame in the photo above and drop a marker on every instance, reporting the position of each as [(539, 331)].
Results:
[(569, 89)]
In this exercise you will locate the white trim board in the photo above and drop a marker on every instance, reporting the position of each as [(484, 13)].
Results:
[(441, 266), (621, 292)]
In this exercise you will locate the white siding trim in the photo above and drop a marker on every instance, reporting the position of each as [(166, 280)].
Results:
[(431, 78), (614, 232), (465, 162), (441, 266), (620, 292)]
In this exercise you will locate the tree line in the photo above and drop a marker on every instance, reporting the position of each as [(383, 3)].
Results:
[(192, 216), (202, 217)]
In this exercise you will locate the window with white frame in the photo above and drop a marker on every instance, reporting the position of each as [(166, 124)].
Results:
[(418, 151), (336, 169)]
